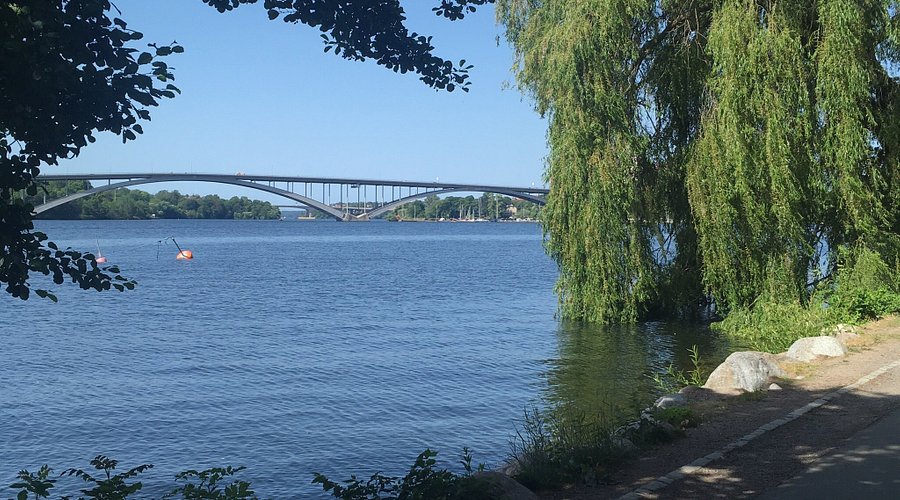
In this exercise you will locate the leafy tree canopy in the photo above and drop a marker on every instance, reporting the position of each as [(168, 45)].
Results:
[(69, 70), (711, 150)]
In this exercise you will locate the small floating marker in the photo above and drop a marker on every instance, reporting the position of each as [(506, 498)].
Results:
[(100, 258), (182, 253)]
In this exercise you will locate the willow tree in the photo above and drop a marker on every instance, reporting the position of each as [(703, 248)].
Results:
[(709, 150)]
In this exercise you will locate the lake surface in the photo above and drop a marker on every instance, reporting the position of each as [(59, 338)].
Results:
[(299, 346)]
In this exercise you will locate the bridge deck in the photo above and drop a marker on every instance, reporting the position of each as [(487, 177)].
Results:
[(269, 183), (288, 179)]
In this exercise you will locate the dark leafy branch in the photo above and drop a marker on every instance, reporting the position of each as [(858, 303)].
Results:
[(69, 71), (374, 30)]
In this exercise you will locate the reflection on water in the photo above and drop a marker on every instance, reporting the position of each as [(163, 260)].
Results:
[(606, 370), (300, 347)]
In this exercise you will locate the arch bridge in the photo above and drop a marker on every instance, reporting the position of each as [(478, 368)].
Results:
[(331, 196)]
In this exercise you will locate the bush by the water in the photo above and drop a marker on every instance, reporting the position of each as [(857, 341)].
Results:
[(673, 379), (771, 326), (866, 288), (557, 447), (550, 451), (424, 481), (102, 482), (679, 417), (863, 288)]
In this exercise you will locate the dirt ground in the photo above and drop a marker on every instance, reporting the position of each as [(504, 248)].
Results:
[(784, 452)]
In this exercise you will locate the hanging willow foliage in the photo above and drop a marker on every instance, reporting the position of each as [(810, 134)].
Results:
[(708, 150)]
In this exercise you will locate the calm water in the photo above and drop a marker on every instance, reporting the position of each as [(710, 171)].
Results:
[(293, 347)]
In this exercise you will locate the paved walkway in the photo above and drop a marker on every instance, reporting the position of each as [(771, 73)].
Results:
[(833, 434), (868, 466)]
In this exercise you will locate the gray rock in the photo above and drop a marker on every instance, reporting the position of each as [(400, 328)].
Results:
[(744, 371), (671, 401), (846, 338), (504, 487), (624, 444), (810, 348), (774, 387)]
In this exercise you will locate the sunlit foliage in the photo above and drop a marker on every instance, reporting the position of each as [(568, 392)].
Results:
[(707, 151)]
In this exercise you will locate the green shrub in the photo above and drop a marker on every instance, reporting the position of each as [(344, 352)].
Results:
[(204, 485), (771, 326), (860, 305), (865, 288), (648, 432), (551, 451), (106, 485), (424, 481), (673, 380), (37, 483), (113, 486), (680, 417)]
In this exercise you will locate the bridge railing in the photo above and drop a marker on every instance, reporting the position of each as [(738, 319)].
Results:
[(332, 196)]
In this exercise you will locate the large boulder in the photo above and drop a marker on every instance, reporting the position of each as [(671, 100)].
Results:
[(744, 371), (810, 348)]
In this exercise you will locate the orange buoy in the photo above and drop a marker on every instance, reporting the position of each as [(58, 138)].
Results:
[(100, 258), (182, 253)]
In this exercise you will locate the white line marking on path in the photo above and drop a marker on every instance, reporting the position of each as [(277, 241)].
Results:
[(686, 470)]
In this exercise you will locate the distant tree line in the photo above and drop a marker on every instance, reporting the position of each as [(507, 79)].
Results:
[(134, 204), (72, 70), (486, 206)]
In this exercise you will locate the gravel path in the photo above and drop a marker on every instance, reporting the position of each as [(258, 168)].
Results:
[(782, 453)]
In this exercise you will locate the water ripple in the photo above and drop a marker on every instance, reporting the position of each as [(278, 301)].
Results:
[(300, 347)]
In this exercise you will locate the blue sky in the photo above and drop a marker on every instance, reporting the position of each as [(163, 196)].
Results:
[(262, 97)]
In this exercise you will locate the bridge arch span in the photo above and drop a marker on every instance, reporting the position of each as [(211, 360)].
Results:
[(331, 211), (387, 207)]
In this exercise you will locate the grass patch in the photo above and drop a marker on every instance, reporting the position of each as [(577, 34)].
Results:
[(551, 451), (772, 326), (673, 380), (680, 417), (863, 288)]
